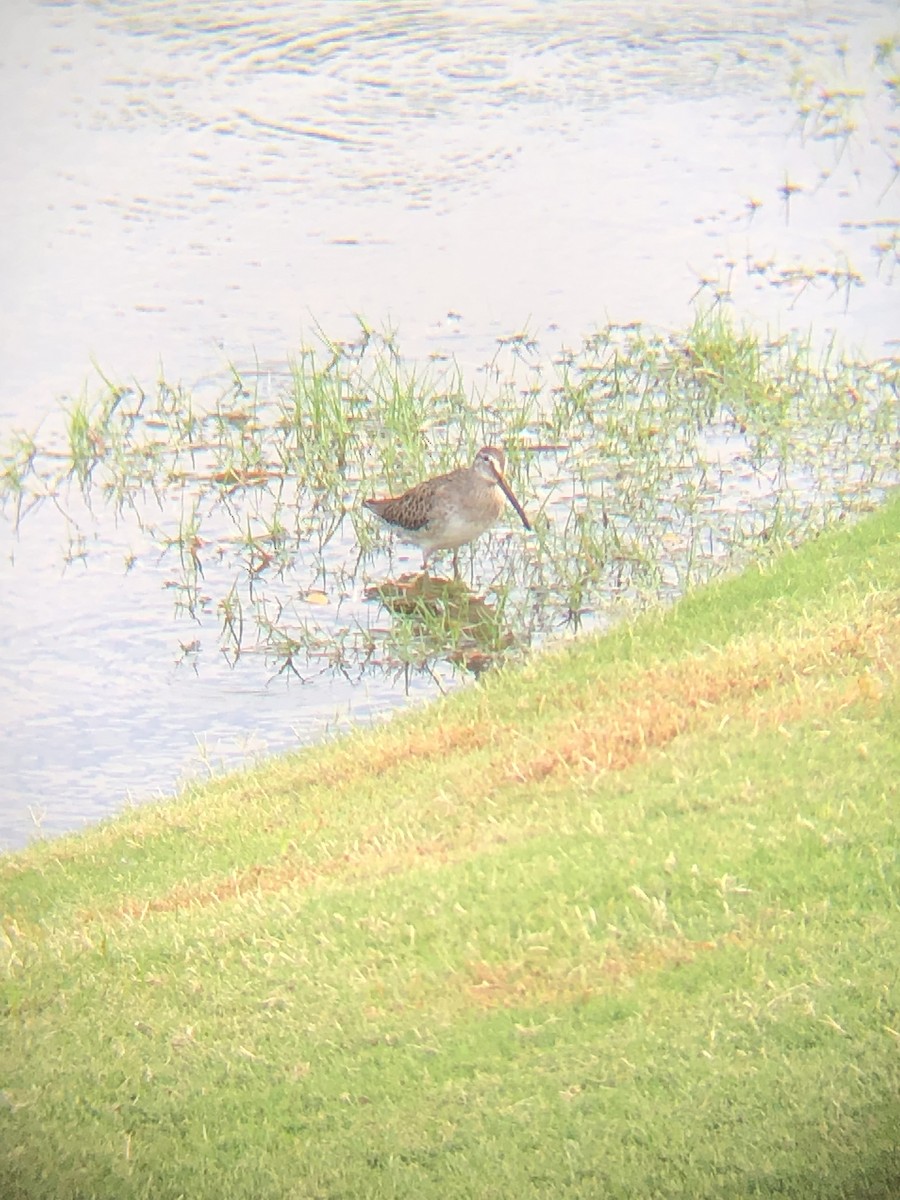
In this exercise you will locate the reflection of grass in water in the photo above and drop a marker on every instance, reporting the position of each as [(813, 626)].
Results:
[(647, 463), (443, 612)]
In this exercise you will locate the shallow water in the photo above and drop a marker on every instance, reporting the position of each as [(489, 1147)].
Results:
[(192, 185)]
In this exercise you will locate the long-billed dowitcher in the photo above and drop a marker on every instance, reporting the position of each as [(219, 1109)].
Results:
[(449, 510)]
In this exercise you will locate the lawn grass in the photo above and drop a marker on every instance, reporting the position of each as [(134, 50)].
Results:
[(621, 923)]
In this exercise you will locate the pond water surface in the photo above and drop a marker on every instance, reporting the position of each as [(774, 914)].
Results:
[(188, 186)]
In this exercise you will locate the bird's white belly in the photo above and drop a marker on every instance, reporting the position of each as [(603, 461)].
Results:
[(451, 531)]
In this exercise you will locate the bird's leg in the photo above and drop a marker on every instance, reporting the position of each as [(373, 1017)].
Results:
[(456, 563)]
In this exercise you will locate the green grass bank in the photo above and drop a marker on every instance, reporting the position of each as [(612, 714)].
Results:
[(621, 923)]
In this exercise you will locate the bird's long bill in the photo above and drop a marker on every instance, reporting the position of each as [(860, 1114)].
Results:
[(507, 492)]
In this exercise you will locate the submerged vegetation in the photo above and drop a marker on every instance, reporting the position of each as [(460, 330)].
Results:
[(647, 462)]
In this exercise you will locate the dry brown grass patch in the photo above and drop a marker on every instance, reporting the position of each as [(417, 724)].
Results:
[(604, 969), (662, 703)]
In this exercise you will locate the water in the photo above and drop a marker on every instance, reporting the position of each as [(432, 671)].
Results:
[(187, 186)]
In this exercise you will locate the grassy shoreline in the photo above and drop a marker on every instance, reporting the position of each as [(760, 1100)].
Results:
[(622, 922)]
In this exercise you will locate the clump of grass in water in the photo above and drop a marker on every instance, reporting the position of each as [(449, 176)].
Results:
[(647, 462), (15, 466), (81, 445)]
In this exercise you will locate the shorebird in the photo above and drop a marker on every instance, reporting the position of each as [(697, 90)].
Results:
[(449, 510)]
